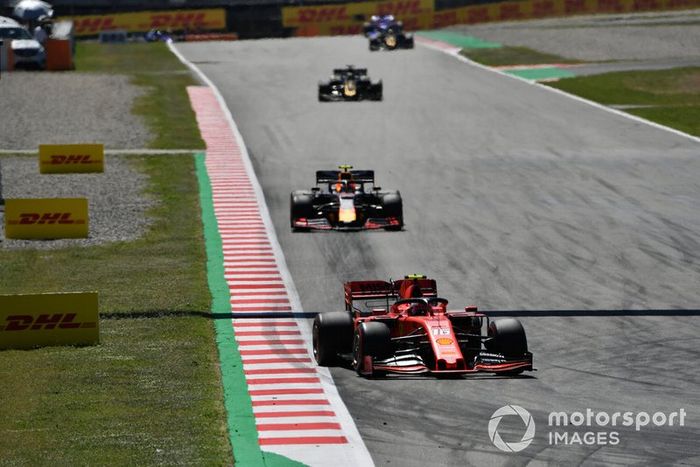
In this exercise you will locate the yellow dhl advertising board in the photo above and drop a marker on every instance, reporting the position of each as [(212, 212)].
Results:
[(338, 20), (36, 320), (509, 11), (352, 13), (71, 158), (46, 218), (177, 20)]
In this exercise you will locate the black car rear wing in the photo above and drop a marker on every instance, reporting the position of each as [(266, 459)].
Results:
[(347, 71), (330, 176)]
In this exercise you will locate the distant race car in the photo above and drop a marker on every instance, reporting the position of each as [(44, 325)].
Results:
[(402, 326), (341, 200), (387, 33), (349, 84)]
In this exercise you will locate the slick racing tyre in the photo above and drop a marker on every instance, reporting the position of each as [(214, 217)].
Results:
[(300, 205), (507, 338), (324, 91), (331, 335), (393, 207), (378, 91), (372, 339)]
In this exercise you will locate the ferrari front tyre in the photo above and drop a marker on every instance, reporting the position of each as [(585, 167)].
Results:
[(507, 338), (331, 335), (372, 339)]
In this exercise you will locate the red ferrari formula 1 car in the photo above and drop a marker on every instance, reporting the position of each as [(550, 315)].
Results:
[(403, 326)]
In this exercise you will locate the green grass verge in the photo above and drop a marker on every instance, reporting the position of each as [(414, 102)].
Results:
[(504, 56), (150, 392), (669, 97), (165, 106)]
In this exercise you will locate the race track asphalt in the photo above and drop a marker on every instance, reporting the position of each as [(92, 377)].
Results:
[(516, 199)]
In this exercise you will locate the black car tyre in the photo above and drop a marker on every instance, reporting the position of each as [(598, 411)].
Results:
[(507, 337), (323, 91), (331, 335), (393, 207), (376, 91), (371, 339), (300, 205)]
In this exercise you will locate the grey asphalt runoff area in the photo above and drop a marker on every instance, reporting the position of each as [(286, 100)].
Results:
[(515, 198)]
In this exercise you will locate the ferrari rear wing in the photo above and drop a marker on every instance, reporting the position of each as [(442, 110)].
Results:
[(330, 176), (383, 289)]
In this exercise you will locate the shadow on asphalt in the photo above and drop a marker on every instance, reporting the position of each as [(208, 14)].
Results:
[(495, 313)]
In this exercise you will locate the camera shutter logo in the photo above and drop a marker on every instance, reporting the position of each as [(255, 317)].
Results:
[(496, 420)]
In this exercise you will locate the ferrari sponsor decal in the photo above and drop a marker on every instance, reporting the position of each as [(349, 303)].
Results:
[(440, 331), (28, 321), (46, 218), (197, 20), (71, 158), (444, 341)]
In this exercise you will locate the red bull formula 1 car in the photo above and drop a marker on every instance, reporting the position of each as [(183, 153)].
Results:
[(403, 326), (341, 200)]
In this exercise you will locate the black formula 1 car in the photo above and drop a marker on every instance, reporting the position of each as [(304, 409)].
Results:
[(385, 32), (342, 201), (349, 84), (404, 327)]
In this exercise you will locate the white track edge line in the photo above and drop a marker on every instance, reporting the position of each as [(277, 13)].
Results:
[(635, 118), (331, 391)]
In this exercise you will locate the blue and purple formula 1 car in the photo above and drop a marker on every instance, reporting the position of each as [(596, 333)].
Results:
[(385, 32)]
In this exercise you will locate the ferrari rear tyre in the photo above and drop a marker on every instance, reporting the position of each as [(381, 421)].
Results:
[(372, 339), (331, 335)]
